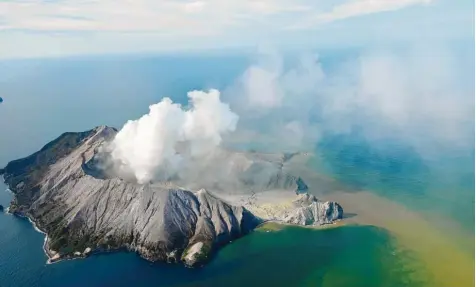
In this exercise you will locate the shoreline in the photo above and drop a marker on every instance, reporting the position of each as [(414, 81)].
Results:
[(48, 253), (268, 198), (335, 224), (36, 228), (51, 257)]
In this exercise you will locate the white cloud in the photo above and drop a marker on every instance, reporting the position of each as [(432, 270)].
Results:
[(356, 8), (194, 17), (416, 94), (149, 145), (105, 15), (31, 28), (194, 7)]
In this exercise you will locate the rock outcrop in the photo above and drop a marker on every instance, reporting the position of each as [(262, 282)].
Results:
[(84, 211), (310, 211)]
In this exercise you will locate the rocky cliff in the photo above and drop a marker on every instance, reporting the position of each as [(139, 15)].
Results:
[(84, 210)]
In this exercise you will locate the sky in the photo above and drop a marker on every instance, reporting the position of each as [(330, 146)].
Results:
[(49, 28)]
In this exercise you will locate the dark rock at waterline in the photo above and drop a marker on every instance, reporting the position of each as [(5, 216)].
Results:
[(86, 210), (54, 187), (1, 100), (1, 208)]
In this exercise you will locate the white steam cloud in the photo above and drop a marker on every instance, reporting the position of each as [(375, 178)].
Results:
[(160, 142), (422, 96), (419, 97), (270, 84)]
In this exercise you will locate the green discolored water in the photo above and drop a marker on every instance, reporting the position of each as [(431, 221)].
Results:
[(292, 256)]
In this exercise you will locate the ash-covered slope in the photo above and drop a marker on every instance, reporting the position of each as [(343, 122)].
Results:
[(309, 211), (83, 210)]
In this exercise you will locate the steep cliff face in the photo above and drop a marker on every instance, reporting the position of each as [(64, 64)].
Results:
[(25, 175), (310, 211), (79, 211), (84, 210)]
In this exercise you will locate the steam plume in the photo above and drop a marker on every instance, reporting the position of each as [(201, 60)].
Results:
[(421, 96), (150, 146)]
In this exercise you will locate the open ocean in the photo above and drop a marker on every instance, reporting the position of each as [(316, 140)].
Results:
[(44, 98)]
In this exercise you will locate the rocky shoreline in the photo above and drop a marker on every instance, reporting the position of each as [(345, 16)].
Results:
[(52, 256), (82, 212)]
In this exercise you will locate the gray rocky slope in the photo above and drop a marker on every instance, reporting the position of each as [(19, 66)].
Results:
[(82, 210)]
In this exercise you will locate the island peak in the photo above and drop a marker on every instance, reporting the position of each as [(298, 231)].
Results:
[(83, 207)]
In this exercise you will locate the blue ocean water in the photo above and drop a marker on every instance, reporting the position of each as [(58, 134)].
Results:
[(43, 98)]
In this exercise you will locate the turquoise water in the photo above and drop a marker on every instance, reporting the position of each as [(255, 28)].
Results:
[(42, 99), (394, 170)]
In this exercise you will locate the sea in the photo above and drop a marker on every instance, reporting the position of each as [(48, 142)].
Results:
[(422, 234)]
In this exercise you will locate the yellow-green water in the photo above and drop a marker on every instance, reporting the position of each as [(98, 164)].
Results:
[(292, 256), (439, 249), (441, 256)]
